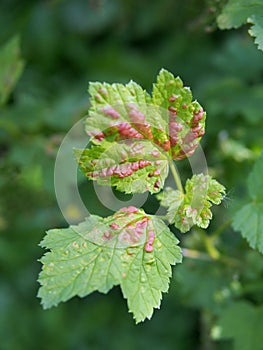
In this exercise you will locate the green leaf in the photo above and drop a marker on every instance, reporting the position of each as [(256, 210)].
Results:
[(235, 149), (193, 207), (148, 274), (169, 118), (186, 118), (255, 180), (238, 12), (256, 30), (11, 67), (249, 219), (242, 322), (129, 248), (132, 167)]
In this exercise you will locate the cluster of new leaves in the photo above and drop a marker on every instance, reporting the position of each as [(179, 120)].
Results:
[(129, 248), (192, 207), (238, 12), (249, 219), (134, 138)]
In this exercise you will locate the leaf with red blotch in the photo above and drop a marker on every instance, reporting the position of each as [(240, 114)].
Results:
[(130, 249), (192, 207), (169, 119), (132, 166), (186, 117)]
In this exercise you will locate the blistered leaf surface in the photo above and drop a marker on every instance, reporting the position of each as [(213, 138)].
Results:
[(192, 207), (135, 135), (131, 166), (129, 248)]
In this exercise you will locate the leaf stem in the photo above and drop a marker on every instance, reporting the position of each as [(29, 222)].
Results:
[(195, 254), (209, 245), (176, 176), (198, 255), (211, 249)]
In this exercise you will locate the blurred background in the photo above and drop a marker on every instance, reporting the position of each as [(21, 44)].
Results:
[(64, 45)]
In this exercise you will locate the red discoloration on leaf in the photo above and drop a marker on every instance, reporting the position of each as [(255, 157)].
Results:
[(148, 248), (111, 112), (130, 209), (198, 116), (150, 241), (172, 109), (172, 98), (157, 184), (103, 91), (184, 144), (121, 170), (138, 121), (186, 118), (156, 154), (114, 226), (126, 131), (98, 98), (174, 128), (166, 145), (107, 236)]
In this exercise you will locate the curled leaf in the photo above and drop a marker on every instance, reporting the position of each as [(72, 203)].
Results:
[(193, 207)]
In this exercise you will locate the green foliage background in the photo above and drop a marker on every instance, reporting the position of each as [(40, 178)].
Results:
[(66, 44)]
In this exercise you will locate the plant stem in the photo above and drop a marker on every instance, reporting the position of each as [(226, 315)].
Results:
[(211, 249), (176, 176), (198, 255), (195, 254), (209, 245), (205, 328)]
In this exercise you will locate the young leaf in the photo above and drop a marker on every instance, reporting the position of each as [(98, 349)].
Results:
[(169, 118), (249, 219), (256, 29), (238, 12), (131, 166), (243, 323), (193, 207), (11, 67), (129, 248)]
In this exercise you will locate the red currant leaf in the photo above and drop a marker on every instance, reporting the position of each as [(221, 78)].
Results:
[(169, 118), (129, 248), (132, 166), (186, 117), (249, 219), (192, 207)]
